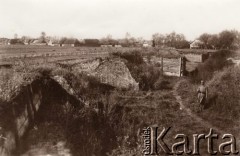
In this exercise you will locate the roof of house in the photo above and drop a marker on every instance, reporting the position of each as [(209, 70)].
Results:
[(15, 41), (39, 41), (56, 42), (70, 41), (91, 41), (196, 42)]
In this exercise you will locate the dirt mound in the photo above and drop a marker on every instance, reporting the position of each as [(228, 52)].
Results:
[(114, 72)]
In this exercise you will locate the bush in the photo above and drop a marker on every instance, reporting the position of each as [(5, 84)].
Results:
[(216, 62), (148, 77), (226, 84), (134, 57), (161, 84)]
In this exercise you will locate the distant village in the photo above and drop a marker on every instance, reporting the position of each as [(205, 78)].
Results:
[(73, 42), (224, 40)]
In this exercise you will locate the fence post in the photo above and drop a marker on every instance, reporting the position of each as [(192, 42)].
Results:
[(180, 67)]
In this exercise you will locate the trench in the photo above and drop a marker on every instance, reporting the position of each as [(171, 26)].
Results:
[(43, 118)]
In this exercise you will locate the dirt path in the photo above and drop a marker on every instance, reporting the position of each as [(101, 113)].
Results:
[(195, 116), (190, 113)]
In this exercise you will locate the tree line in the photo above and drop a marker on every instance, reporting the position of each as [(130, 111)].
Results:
[(227, 39), (173, 40)]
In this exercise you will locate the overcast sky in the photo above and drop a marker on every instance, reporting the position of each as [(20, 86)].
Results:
[(98, 18)]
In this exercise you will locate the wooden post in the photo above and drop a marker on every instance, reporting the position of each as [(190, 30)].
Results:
[(180, 67)]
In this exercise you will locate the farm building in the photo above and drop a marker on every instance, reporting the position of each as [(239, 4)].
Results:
[(118, 46), (106, 45), (38, 42), (108, 42), (91, 42), (15, 42), (147, 45), (50, 43), (56, 43), (27, 41), (70, 43), (195, 55), (196, 44)]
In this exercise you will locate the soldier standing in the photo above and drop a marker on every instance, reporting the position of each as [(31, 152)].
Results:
[(202, 95)]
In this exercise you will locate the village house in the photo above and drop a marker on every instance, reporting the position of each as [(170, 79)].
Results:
[(56, 43), (38, 42), (15, 42), (50, 43), (196, 44), (106, 45), (147, 44), (27, 41), (70, 43), (91, 43), (118, 46)]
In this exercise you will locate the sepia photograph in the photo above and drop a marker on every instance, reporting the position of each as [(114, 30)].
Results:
[(119, 77)]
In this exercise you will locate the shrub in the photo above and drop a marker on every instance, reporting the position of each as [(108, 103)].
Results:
[(161, 84), (216, 62), (226, 84), (149, 75), (134, 57)]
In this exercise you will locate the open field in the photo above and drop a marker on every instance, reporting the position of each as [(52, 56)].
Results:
[(33, 51), (10, 54), (15, 49), (15, 55)]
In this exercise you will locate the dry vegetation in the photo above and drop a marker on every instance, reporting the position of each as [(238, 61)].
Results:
[(147, 74), (222, 107), (216, 62), (117, 131)]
